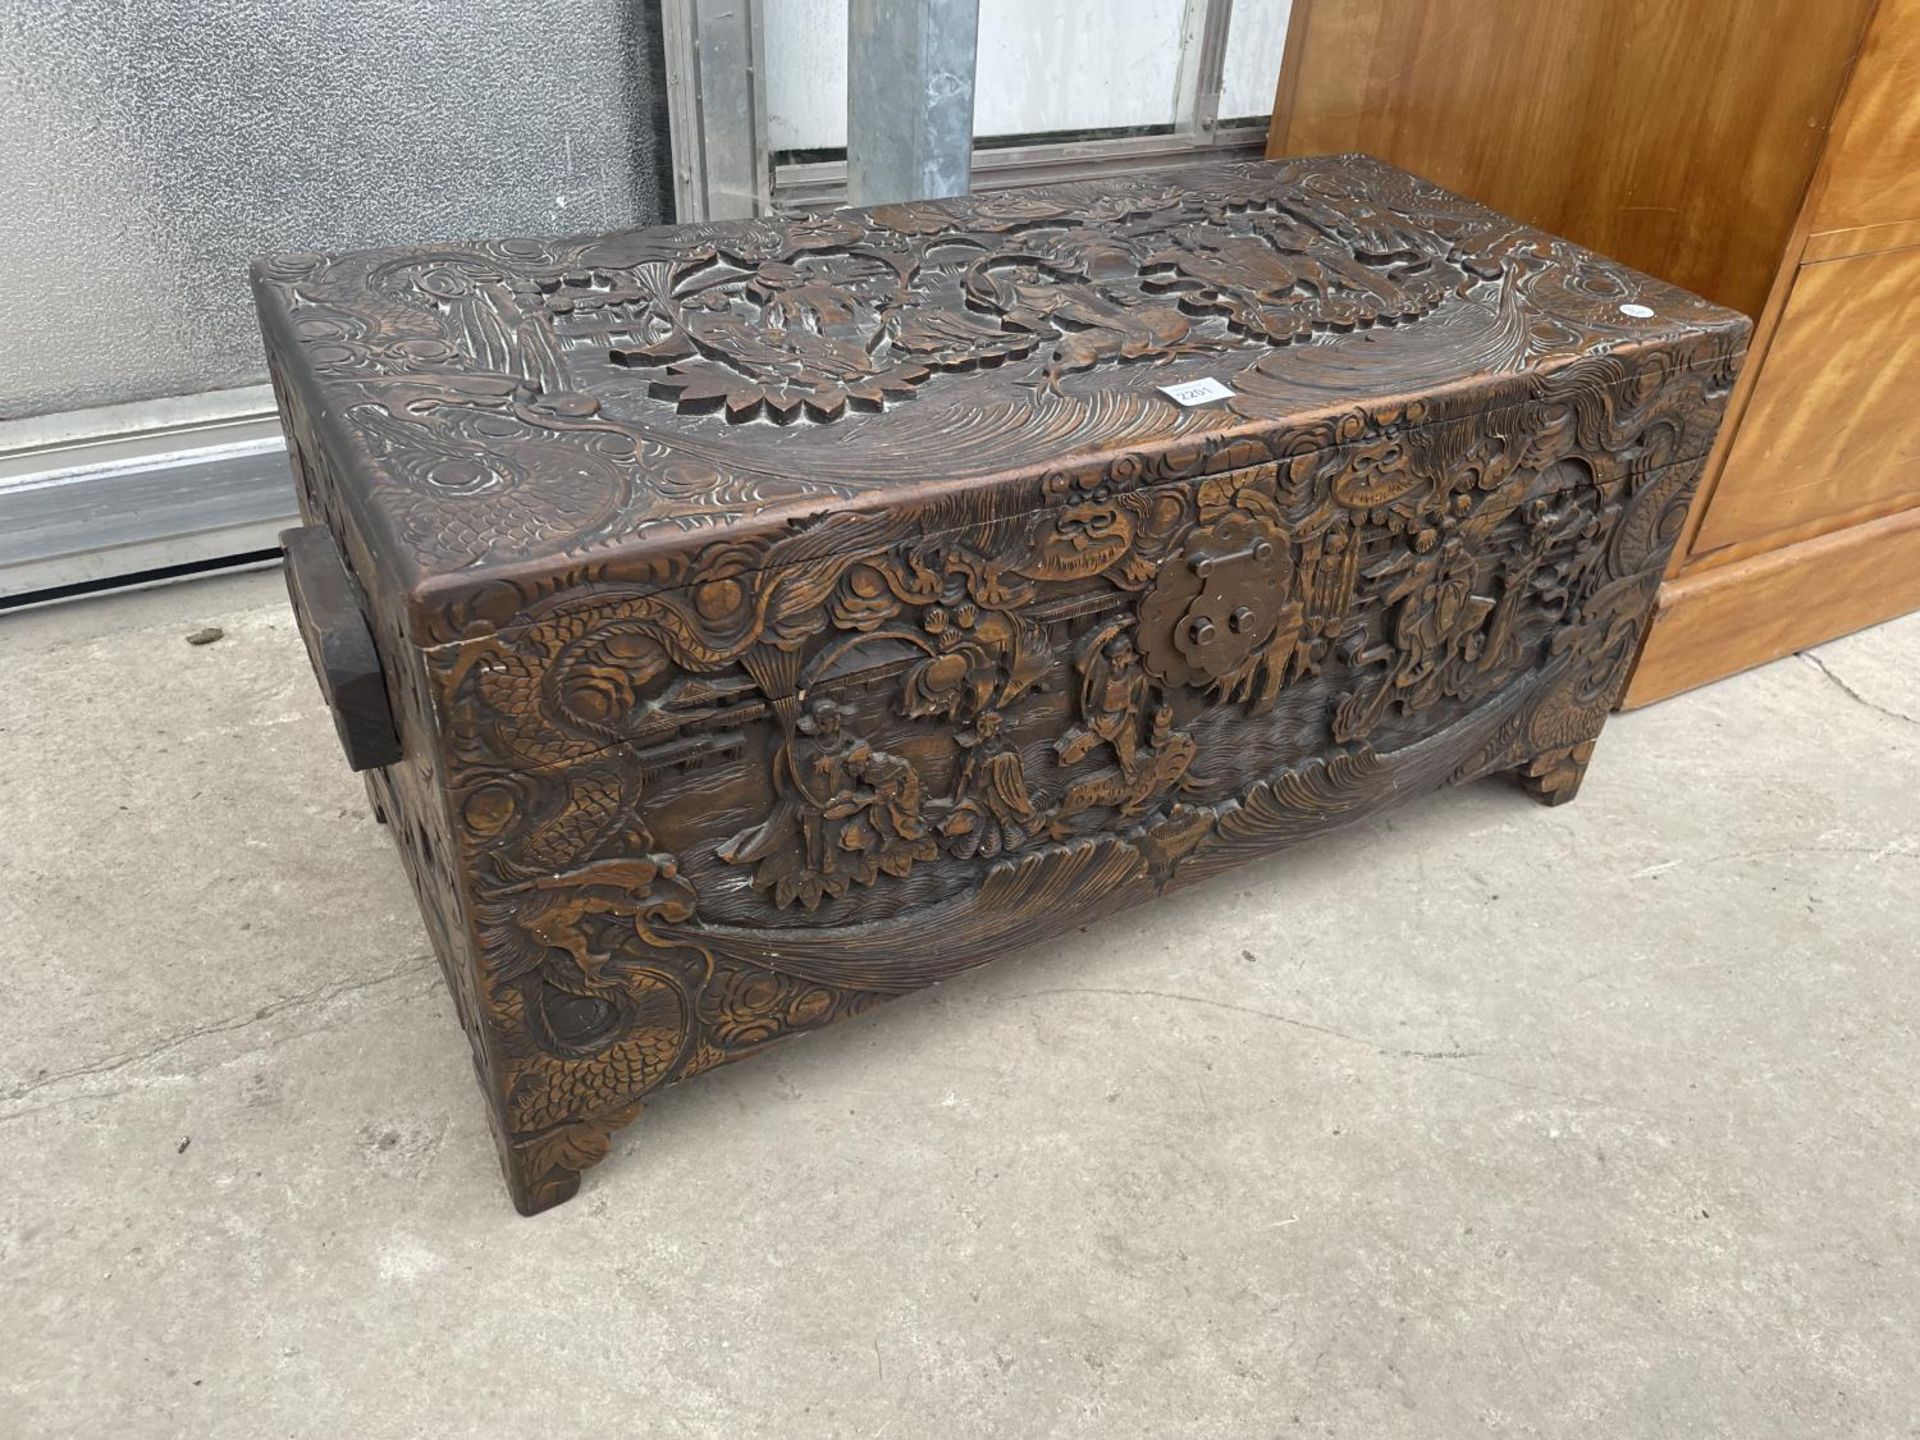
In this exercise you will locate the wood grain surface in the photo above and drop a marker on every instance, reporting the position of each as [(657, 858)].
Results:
[(1862, 240), (1832, 433), (1872, 173), (783, 615), (1719, 621), (1677, 135)]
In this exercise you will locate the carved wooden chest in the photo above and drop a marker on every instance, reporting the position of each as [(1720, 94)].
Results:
[(742, 623)]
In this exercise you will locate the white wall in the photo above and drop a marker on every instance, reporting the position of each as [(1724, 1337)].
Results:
[(1044, 65)]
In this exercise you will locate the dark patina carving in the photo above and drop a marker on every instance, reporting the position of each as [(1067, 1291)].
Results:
[(781, 615)]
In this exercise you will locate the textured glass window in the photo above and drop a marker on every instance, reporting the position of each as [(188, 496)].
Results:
[(150, 148)]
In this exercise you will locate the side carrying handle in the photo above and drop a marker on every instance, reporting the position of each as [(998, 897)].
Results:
[(326, 605)]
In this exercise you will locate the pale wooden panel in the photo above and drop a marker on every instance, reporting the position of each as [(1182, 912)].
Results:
[(1833, 427), (1873, 161), (1726, 620), (1866, 240), (1677, 135)]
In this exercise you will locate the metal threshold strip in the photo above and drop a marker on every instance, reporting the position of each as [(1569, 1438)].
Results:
[(127, 494), (817, 184)]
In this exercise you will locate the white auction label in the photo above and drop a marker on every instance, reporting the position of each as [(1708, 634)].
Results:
[(1197, 392)]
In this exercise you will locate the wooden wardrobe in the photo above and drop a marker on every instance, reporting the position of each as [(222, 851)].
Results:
[(1765, 153)]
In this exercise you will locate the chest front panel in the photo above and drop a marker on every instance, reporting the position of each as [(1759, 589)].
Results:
[(853, 739)]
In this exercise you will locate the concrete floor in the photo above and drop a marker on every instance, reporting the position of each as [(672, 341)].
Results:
[(1485, 1119)]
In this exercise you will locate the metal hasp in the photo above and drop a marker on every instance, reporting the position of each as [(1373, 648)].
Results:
[(910, 70)]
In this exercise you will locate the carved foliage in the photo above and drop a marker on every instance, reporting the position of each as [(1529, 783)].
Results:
[(956, 703), (715, 755), (814, 318), (622, 394)]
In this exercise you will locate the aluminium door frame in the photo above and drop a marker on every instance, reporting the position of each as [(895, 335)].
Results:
[(716, 48), (122, 494)]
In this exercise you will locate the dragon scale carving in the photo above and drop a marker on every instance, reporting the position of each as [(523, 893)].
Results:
[(790, 613)]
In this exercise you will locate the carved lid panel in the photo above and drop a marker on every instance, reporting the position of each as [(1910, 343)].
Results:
[(522, 416)]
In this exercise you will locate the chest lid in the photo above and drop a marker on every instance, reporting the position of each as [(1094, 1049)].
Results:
[(518, 416)]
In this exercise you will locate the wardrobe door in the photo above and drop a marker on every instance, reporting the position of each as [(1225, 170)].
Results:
[(1676, 135), (1811, 526)]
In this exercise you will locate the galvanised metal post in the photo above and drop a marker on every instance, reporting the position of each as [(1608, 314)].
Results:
[(910, 67)]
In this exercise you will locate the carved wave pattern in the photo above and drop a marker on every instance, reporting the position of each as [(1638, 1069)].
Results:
[(976, 738), (527, 398), (740, 720)]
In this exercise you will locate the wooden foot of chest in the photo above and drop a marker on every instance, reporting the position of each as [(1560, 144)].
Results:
[(1554, 778), (743, 624), (543, 1169)]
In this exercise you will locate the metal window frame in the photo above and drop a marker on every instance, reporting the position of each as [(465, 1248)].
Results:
[(716, 108), (1202, 69), (822, 184), (715, 72)]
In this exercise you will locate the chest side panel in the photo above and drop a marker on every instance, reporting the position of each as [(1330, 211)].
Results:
[(411, 793), (560, 667)]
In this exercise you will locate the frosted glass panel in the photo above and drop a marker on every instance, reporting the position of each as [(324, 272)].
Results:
[(1254, 41), (1044, 65), (1067, 66), (150, 148), (805, 43)]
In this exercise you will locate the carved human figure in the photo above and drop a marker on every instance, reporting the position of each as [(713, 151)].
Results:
[(990, 810), (1156, 770), (792, 850), (880, 821), (1440, 615), (846, 812), (821, 750), (1551, 542), (1437, 620), (1113, 695)]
